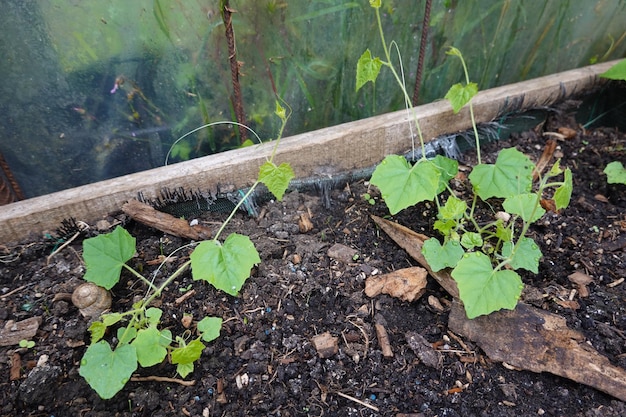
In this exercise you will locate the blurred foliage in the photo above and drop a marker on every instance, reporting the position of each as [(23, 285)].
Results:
[(175, 54)]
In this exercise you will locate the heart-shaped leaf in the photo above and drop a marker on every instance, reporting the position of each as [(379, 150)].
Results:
[(105, 256), (510, 175), (106, 370), (276, 178), (225, 266), (367, 69), (484, 290), (403, 185)]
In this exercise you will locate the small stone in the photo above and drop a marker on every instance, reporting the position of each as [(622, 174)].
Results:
[(342, 253)]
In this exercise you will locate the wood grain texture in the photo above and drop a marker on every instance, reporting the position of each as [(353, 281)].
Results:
[(349, 146)]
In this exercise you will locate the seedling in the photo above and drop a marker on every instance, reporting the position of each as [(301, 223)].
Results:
[(139, 340), (28, 344), (483, 255)]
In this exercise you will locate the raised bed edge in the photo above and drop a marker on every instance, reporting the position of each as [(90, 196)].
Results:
[(354, 145)]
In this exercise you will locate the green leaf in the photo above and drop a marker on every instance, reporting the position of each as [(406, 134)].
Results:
[(523, 205), (616, 72), (107, 371), (153, 315), (459, 95), (148, 345), (126, 334), (447, 168), (563, 194), (484, 290), (184, 369), (276, 178), (453, 209), (97, 330), (454, 52), (109, 319), (367, 69), (526, 256), (445, 226), (280, 112), (615, 172), (166, 338), (225, 266), (210, 328), (440, 257), (106, 254), (403, 185), (187, 355), (510, 175), (503, 232), (471, 240)]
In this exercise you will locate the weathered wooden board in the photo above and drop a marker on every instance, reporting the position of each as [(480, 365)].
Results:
[(349, 146)]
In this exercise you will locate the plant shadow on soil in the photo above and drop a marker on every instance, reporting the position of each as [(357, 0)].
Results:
[(298, 291)]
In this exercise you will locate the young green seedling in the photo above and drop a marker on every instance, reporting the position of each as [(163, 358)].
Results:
[(140, 340), (483, 257)]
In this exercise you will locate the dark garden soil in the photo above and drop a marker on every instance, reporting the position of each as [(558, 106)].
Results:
[(265, 362)]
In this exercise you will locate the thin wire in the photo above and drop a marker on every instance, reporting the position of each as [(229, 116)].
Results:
[(167, 157)]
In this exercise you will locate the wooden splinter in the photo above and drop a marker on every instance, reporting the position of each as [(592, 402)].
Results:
[(383, 340), (167, 223)]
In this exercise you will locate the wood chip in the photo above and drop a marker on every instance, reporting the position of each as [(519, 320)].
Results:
[(435, 303), (423, 350), (383, 340), (567, 132), (304, 223), (601, 198), (16, 367), (581, 280), (13, 331), (325, 344)]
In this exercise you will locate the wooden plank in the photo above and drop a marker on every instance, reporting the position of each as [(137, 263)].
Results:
[(349, 146)]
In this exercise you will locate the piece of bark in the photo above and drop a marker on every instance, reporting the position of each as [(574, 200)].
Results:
[(382, 336), (13, 332), (16, 367), (423, 350), (167, 223), (325, 344), (412, 242), (527, 337), (581, 280), (539, 341), (407, 284)]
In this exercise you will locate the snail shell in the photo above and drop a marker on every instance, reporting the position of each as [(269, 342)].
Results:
[(91, 299)]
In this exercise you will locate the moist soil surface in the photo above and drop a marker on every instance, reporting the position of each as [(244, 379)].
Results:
[(265, 362)]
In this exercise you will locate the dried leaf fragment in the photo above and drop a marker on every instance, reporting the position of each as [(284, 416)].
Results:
[(406, 284)]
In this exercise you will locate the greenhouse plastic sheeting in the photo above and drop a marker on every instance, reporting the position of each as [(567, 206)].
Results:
[(94, 90)]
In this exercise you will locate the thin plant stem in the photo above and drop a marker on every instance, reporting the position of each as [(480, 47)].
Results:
[(141, 277)]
